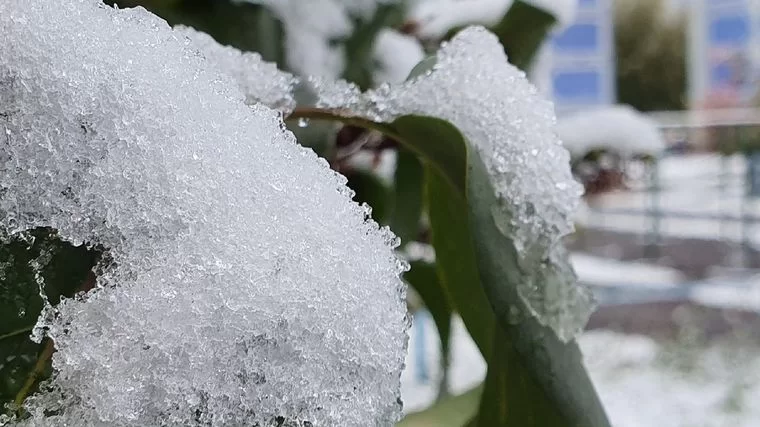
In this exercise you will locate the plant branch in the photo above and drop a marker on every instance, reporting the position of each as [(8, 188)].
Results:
[(16, 332), (342, 116)]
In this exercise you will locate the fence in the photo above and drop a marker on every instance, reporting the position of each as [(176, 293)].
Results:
[(725, 189)]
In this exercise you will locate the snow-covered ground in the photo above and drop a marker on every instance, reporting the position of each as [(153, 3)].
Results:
[(599, 271), (641, 382), (701, 185)]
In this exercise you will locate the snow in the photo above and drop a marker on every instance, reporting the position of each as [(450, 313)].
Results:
[(618, 128), (260, 81), (432, 19), (729, 293), (238, 289), (564, 11), (604, 271), (312, 26), (673, 384), (641, 382), (396, 55), (512, 128), (701, 196)]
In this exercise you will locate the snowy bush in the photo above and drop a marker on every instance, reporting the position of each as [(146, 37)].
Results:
[(171, 256)]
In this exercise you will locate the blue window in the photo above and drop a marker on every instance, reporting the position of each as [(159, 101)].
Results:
[(721, 74), (578, 38), (730, 30), (577, 86)]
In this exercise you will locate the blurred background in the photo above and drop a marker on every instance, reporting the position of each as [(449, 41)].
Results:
[(657, 102)]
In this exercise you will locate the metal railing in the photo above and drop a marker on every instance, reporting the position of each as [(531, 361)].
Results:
[(729, 131)]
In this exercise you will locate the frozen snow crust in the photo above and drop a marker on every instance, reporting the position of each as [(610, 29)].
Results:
[(246, 288)]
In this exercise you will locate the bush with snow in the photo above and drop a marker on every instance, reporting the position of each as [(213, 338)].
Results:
[(231, 280)]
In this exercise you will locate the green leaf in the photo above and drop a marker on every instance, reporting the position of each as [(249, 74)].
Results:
[(372, 191), (64, 269), (541, 361), (506, 402), (423, 278), (454, 251), (407, 197), (450, 412), (431, 138), (522, 31), (546, 375)]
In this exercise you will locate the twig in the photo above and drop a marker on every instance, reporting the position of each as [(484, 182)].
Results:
[(343, 116), (16, 332)]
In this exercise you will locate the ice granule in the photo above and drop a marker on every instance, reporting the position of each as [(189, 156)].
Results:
[(313, 27), (246, 287), (512, 128), (260, 81)]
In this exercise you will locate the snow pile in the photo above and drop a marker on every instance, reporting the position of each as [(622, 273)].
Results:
[(432, 19), (246, 288), (617, 128), (313, 26), (512, 128), (260, 81), (604, 271), (396, 55), (673, 383)]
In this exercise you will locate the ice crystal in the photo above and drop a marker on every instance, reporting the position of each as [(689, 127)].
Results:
[(245, 287)]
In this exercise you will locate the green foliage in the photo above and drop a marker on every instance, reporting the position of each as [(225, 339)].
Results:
[(450, 412), (650, 47), (407, 201), (455, 256), (522, 31), (372, 191)]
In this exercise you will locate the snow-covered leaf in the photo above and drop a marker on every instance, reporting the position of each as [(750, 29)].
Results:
[(511, 128)]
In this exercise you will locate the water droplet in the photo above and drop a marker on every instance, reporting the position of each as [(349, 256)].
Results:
[(303, 122)]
